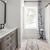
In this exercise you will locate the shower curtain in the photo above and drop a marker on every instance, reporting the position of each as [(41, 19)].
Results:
[(40, 21)]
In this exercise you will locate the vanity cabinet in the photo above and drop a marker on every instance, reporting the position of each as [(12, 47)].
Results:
[(14, 43), (10, 41)]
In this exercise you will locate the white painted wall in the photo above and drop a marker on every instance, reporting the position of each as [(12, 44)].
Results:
[(22, 13), (47, 23), (44, 3), (13, 16), (30, 33)]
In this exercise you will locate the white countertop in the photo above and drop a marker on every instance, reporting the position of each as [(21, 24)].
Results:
[(6, 31)]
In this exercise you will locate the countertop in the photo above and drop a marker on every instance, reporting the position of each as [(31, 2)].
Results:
[(5, 31)]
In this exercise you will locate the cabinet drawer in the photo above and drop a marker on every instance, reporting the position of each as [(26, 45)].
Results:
[(6, 38), (6, 45), (6, 42), (13, 32), (9, 48)]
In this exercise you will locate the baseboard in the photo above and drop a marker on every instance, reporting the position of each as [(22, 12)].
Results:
[(29, 38), (19, 45), (48, 42)]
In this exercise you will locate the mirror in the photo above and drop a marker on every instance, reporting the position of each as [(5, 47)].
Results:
[(2, 14)]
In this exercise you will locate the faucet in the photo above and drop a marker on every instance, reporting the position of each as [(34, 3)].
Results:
[(2, 26)]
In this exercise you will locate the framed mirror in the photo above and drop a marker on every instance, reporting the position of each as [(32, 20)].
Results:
[(2, 14)]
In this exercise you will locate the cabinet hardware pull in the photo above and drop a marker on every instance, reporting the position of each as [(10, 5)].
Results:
[(7, 38), (7, 44), (12, 34)]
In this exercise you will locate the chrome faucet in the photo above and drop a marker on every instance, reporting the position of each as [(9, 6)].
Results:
[(2, 26)]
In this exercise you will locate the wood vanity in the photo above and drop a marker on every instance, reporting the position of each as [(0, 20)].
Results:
[(10, 40)]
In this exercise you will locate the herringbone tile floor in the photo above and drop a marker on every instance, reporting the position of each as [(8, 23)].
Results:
[(41, 43)]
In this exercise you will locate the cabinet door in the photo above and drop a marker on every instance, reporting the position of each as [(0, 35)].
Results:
[(13, 40)]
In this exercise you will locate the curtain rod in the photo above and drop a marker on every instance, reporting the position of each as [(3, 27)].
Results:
[(32, 1), (47, 4)]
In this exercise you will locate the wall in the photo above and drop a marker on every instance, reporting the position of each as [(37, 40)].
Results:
[(22, 13), (13, 16), (30, 33), (44, 3)]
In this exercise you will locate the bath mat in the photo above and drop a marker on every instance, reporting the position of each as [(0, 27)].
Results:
[(32, 45)]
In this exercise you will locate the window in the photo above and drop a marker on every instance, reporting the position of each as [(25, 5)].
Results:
[(30, 18)]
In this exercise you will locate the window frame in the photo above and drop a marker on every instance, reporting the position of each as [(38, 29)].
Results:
[(25, 17)]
